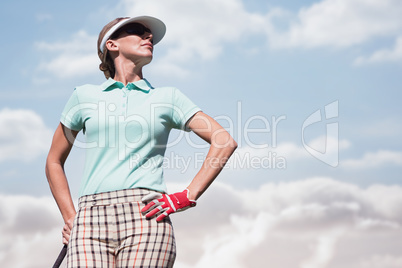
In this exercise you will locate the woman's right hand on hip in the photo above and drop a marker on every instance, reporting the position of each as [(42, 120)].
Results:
[(68, 226)]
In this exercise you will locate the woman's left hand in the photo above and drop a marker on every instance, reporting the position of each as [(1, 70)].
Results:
[(164, 205)]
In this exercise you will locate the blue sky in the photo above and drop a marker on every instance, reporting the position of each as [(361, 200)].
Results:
[(247, 63)]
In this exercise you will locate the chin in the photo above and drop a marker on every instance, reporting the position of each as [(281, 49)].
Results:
[(147, 60)]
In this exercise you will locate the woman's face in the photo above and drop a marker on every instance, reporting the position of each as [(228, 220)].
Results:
[(135, 41)]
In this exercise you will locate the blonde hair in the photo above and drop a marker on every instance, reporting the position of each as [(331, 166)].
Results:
[(107, 64)]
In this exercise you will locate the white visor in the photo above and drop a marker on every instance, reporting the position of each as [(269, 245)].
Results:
[(157, 27)]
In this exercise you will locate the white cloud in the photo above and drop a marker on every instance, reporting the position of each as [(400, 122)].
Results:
[(323, 250), (385, 128), (197, 30), (311, 223), (317, 222), (374, 160), (384, 55), (71, 65), (74, 58), (79, 42), (23, 135), (247, 157), (341, 23), (244, 233), (30, 230), (200, 30), (385, 261)]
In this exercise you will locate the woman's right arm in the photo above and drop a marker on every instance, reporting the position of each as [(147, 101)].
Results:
[(62, 143)]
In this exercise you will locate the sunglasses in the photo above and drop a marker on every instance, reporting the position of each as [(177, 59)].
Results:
[(132, 29)]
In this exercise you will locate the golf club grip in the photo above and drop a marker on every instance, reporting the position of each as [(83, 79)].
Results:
[(61, 256)]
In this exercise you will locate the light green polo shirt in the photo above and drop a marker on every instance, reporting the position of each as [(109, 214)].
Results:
[(126, 130)]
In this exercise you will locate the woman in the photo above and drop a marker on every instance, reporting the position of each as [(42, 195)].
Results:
[(123, 216)]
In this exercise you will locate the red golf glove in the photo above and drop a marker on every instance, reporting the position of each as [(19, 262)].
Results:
[(164, 204)]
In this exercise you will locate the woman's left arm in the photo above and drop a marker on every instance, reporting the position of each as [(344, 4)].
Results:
[(222, 147)]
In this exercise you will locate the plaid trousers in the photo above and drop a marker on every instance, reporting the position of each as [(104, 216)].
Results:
[(110, 231)]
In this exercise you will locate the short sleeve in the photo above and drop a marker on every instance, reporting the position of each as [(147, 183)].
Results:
[(71, 116), (183, 110)]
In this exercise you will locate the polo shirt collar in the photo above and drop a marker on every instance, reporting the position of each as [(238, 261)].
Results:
[(142, 85)]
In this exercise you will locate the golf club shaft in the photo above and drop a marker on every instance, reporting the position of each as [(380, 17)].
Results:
[(61, 256)]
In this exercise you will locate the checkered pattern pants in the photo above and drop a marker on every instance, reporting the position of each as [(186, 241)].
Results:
[(110, 231)]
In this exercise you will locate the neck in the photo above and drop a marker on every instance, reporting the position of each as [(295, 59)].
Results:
[(127, 71)]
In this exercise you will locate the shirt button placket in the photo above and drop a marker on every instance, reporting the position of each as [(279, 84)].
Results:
[(124, 101)]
